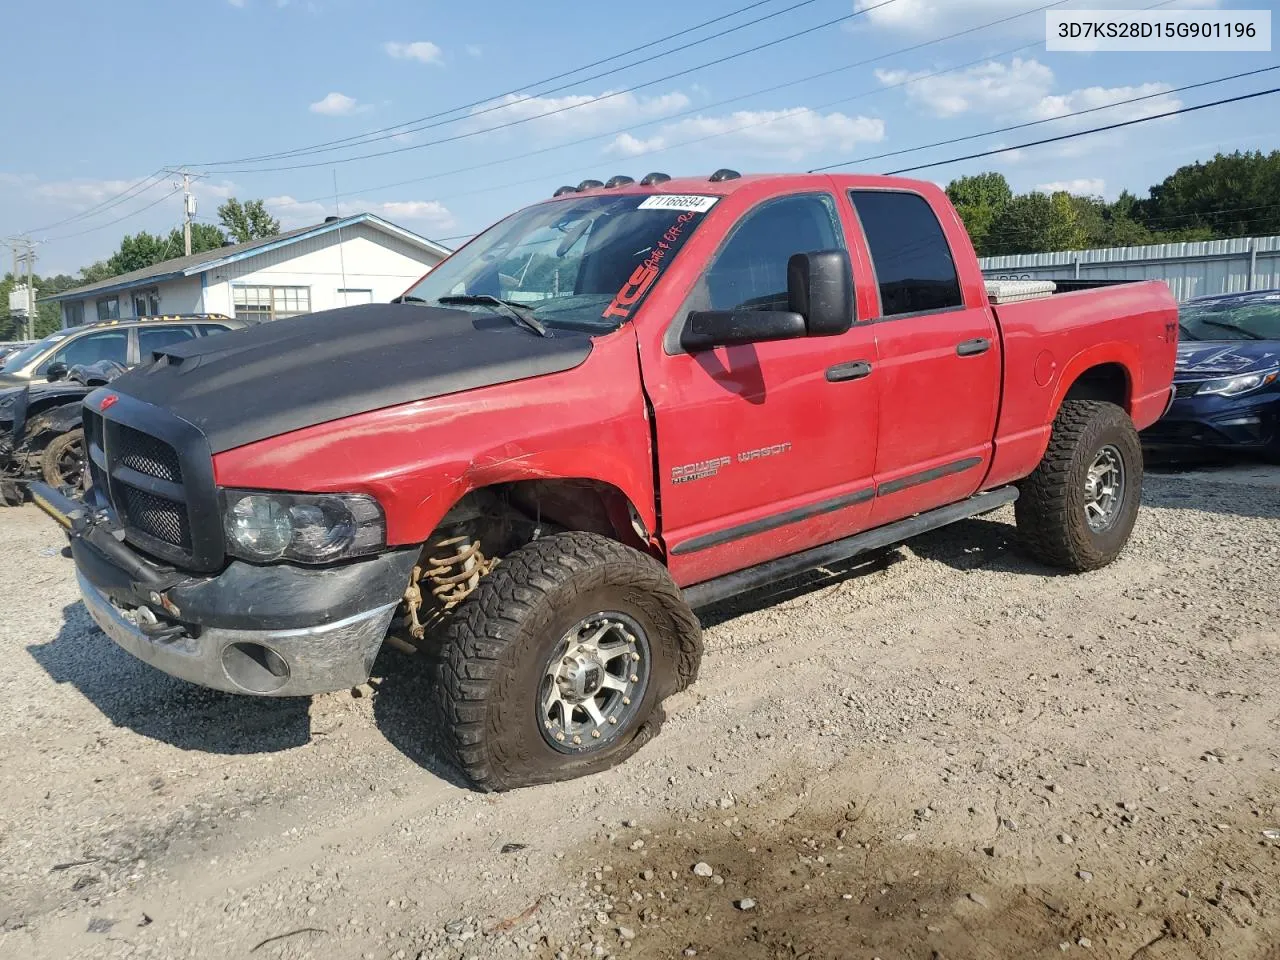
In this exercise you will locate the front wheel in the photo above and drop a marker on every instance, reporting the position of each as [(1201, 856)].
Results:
[(557, 664), (62, 461), (1077, 509)]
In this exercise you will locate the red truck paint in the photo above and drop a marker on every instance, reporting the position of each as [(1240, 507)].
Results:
[(760, 424)]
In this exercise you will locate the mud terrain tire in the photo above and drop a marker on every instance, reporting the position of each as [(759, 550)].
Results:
[(1053, 511), (505, 637)]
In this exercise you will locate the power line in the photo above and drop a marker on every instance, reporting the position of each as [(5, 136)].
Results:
[(1085, 133), (112, 223), (372, 136), (133, 190), (574, 106), (755, 93), (1036, 123)]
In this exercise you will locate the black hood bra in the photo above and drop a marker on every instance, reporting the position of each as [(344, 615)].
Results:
[(276, 377)]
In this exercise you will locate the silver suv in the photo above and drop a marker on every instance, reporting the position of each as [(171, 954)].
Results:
[(125, 341)]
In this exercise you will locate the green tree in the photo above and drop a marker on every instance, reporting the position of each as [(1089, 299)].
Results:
[(1233, 195), (204, 236), (979, 200), (247, 221)]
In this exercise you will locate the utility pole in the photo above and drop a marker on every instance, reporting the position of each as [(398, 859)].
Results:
[(31, 293), (24, 254), (188, 212)]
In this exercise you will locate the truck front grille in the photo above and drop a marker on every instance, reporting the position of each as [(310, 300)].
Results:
[(156, 516), (147, 455)]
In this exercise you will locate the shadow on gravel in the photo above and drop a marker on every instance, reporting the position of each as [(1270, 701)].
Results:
[(134, 695), (403, 710)]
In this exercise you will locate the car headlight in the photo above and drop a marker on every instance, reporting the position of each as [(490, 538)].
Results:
[(1234, 386), (306, 527)]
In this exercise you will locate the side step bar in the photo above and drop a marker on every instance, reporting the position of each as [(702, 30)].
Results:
[(731, 584)]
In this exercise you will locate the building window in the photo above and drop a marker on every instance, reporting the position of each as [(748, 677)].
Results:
[(73, 313), (109, 308), (351, 296), (146, 303), (257, 304)]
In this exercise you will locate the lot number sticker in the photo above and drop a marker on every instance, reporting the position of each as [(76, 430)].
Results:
[(678, 201)]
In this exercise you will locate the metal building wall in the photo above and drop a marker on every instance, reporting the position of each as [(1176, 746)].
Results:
[(1191, 269)]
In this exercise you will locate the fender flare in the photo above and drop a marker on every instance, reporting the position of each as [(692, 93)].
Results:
[(1124, 355)]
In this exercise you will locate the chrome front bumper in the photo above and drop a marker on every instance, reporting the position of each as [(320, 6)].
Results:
[(276, 663)]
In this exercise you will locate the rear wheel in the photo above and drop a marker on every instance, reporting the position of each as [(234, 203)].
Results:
[(557, 664), (1078, 509), (62, 461)]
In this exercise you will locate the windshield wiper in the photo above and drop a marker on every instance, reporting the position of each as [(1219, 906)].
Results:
[(1231, 326), (409, 298), (518, 313)]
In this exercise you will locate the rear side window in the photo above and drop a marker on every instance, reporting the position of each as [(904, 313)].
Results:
[(209, 329), (157, 338), (913, 263)]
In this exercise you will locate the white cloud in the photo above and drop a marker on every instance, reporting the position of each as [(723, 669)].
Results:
[(416, 214), (932, 16), (1080, 187), (787, 134), (337, 105), (629, 146), (424, 51), (576, 114), (991, 87), (1090, 98)]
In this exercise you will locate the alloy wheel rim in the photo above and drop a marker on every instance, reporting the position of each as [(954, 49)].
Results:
[(592, 687), (1104, 489), (71, 465)]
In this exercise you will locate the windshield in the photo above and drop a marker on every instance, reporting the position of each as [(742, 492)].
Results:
[(1233, 320), (585, 263), (23, 357)]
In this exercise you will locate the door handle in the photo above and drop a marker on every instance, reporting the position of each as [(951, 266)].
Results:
[(973, 348), (855, 370)]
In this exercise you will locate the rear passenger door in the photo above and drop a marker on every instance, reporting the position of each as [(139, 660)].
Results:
[(158, 336), (938, 361)]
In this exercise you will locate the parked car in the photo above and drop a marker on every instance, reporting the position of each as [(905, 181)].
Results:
[(9, 349), (608, 410), (1228, 394), (122, 341), (40, 434)]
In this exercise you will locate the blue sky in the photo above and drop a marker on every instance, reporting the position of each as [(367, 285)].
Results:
[(101, 95)]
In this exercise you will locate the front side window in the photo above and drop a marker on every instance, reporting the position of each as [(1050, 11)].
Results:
[(912, 260), (584, 263), (151, 339), (258, 303), (109, 308), (91, 348), (750, 272)]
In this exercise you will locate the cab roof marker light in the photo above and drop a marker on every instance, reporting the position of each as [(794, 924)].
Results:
[(590, 184), (653, 179), (621, 180), (724, 173), (563, 190)]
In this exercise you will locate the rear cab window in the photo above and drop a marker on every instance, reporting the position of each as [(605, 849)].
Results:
[(915, 271)]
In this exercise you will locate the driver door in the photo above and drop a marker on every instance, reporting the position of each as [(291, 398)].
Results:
[(766, 449)]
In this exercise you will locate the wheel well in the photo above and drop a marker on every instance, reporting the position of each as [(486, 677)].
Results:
[(529, 509), (1108, 382)]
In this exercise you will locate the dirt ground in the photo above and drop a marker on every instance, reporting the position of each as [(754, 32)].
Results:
[(944, 752)]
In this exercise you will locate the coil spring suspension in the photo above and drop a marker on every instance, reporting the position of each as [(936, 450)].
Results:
[(453, 568)]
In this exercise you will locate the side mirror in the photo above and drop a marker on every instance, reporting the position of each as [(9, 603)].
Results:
[(730, 328), (56, 371), (820, 289)]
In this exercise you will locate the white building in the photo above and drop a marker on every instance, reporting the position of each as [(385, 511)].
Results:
[(341, 262)]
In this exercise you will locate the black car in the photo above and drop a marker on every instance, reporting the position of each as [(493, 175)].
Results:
[(40, 434), (1227, 378)]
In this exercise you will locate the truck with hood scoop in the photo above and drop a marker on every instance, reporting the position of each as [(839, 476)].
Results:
[(607, 411)]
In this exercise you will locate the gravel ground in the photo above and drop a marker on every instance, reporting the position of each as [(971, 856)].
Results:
[(945, 752)]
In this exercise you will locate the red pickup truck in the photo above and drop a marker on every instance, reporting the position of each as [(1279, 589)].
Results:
[(608, 410)]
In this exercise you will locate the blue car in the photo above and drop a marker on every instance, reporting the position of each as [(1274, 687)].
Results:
[(1228, 394)]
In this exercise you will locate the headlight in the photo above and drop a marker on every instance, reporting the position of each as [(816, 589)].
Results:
[(1234, 386), (306, 527)]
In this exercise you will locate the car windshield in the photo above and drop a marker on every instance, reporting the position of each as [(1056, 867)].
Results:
[(585, 263), (1231, 320), (27, 354)]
